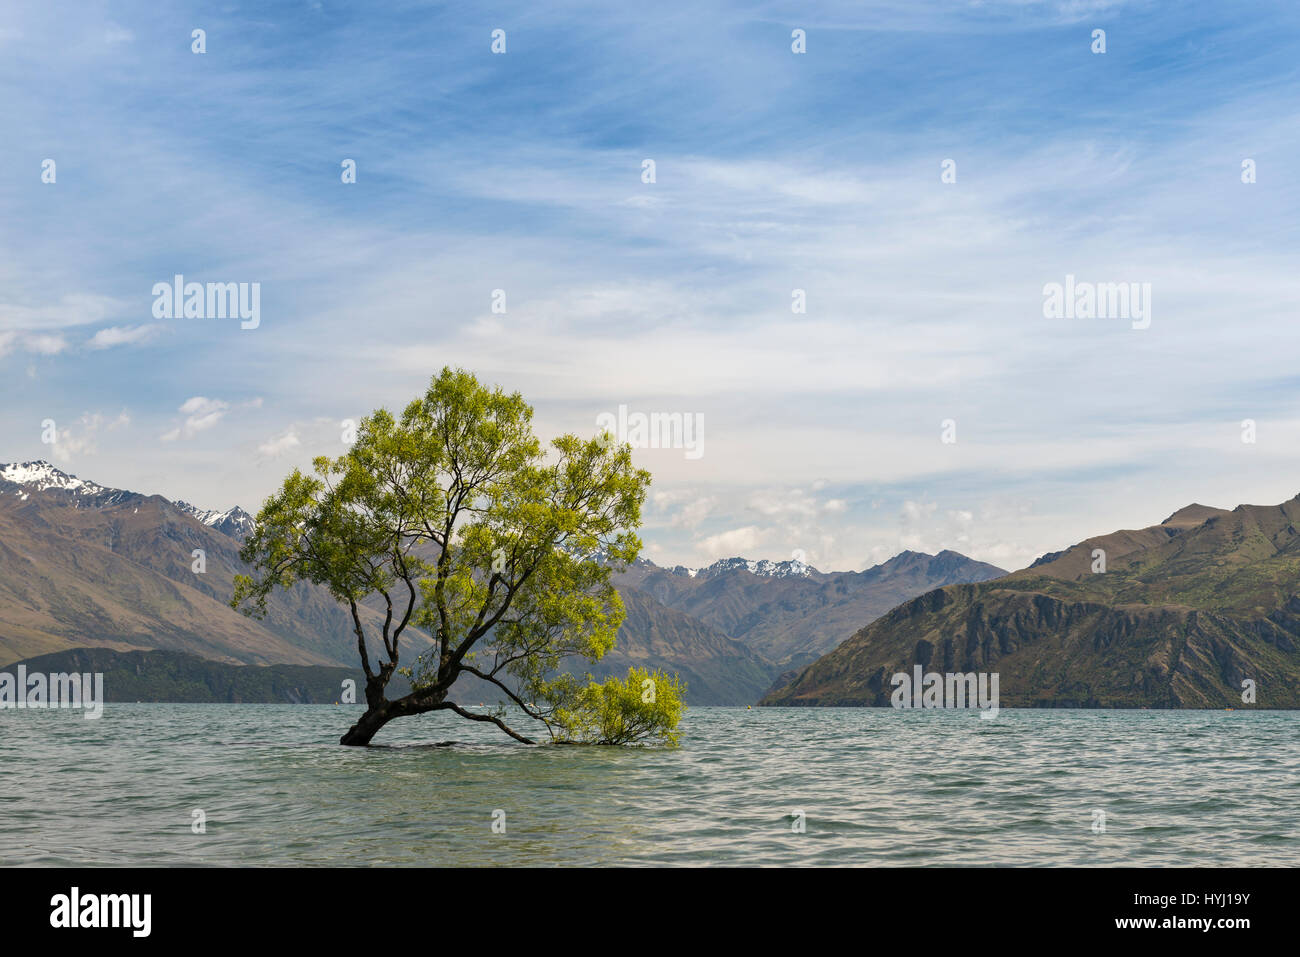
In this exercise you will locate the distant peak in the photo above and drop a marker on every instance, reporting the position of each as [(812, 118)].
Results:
[(233, 521), (906, 556), (41, 475), (1192, 515), (947, 565), (765, 568)]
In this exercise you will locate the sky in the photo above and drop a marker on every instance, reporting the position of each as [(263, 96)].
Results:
[(922, 400)]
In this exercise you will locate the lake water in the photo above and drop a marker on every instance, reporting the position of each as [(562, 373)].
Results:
[(876, 786)]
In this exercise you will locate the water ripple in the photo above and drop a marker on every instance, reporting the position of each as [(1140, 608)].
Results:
[(837, 787)]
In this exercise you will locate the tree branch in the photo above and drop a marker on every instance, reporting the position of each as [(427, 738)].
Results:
[(483, 717), (361, 640), (470, 669)]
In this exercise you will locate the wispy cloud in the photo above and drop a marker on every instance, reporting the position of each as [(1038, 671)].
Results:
[(280, 444), (123, 336), (201, 414), (775, 172), (82, 438)]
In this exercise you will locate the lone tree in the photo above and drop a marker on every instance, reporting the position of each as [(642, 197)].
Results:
[(455, 520)]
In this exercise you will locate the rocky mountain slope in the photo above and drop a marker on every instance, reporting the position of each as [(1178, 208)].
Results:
[(84, 565), (1182, 614), (717, 669), (792, 617)]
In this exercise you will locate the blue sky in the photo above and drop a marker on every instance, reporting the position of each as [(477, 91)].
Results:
[(774, 171)]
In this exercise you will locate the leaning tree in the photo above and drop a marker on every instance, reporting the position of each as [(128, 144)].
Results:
[(455, 521)]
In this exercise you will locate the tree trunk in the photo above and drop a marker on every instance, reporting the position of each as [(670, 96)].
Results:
[(382, 711), (359, 734)]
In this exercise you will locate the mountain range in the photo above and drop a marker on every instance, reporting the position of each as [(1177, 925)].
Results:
[(1175, 615), (87, 566), (790, 613)]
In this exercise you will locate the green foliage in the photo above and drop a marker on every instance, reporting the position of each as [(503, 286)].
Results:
[(454, 519), (643, 708)]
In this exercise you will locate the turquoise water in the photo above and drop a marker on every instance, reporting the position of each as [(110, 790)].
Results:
[(876, 786)]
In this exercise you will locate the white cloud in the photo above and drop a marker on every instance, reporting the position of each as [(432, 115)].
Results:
[(46, 345), (686, 508), (70, 310), (921, 301), (200, 413), (81, 439), (913, 512), (792, 504), (123, 336), (736, 542), (279, 444)]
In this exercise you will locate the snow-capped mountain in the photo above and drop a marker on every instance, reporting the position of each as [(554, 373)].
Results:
[(41, 475), (25, 478), (235, 522), (87, 566), (82, 565), (792, 568), (791, 613)]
